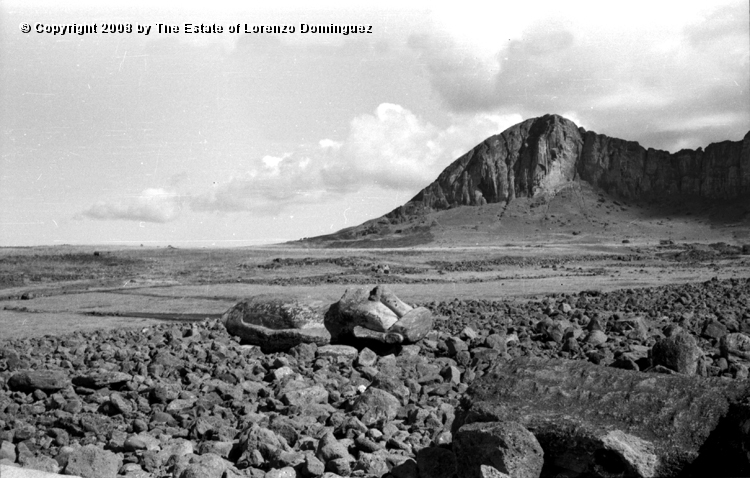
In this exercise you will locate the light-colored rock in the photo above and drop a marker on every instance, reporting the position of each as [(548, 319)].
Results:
[(277, 325), (375, 406), (415, 325), (385, 295), (735, 347), (91, 461), (305, 396), (7, 471)]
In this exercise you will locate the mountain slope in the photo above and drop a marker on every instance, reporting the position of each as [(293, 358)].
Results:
[(548, 159), (541, 154)]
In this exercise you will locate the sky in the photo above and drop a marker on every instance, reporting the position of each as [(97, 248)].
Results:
[(189, 138)]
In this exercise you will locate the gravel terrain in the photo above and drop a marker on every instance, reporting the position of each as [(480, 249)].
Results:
[(189, 400)]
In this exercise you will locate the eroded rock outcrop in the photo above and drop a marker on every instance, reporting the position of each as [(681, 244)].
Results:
[(541, 154), (601, 421)]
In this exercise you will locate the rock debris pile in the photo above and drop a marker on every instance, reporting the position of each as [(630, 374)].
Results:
[(629, 383)]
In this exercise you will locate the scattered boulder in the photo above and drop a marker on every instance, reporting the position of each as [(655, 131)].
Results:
[(45, 380), (277, 325), (508, 447), (91, 461), (735, 347), (678, 352)]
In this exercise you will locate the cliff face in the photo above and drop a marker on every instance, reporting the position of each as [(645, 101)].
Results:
[(541, 154)]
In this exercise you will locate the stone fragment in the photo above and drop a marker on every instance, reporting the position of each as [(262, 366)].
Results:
[(313, 466), (506, 446), (376, 406), (45, 380), (385, 295), (258, 444), (735, 346), (344, 351), (714, 330), (102, 379), (366, 358), (286, 472), (329, 448), (355, 308), (362, 333), (277, 325), (678, 352), (589, 418), (492, 472), (415, 325), (635, 328), (91, 461), (303, 397), (596, 337)]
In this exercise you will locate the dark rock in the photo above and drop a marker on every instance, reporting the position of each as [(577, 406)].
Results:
[(540, 154), (679, 352), (46, 380), (435, 462), (603, 420), (102, 379), (506, 446)]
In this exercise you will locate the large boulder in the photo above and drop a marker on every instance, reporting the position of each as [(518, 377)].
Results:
[(377, 315), (278, 325), (602, 421), (44, 380), (678, 352), (506, 446)]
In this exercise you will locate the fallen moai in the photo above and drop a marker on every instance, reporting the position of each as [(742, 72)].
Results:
[(360, 315), (277, 325), (606, 422), (377, 315)]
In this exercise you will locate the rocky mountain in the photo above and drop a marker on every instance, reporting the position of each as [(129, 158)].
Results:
[(541, 155)]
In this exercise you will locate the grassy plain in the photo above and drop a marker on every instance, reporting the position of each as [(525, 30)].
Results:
[(60, 289)]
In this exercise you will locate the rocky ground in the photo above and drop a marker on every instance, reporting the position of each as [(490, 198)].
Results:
[(189, 400)]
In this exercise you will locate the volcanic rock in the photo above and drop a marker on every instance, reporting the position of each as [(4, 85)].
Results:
[(735, 347), (678, 352), (45, 380), (540, 154), (607, 422), (91, 461), (277, 325), (506, 446), (414, 325)]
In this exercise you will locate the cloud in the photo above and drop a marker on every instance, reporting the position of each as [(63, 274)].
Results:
[(152, 205), (395, 149), (625, 76), (268, 188), (392, 149)]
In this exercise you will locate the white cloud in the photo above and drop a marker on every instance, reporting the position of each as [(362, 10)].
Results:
[(392, 149), (395, 149), (151, 205)]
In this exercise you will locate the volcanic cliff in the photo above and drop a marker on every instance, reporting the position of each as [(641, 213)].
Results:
[(543, 154)]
